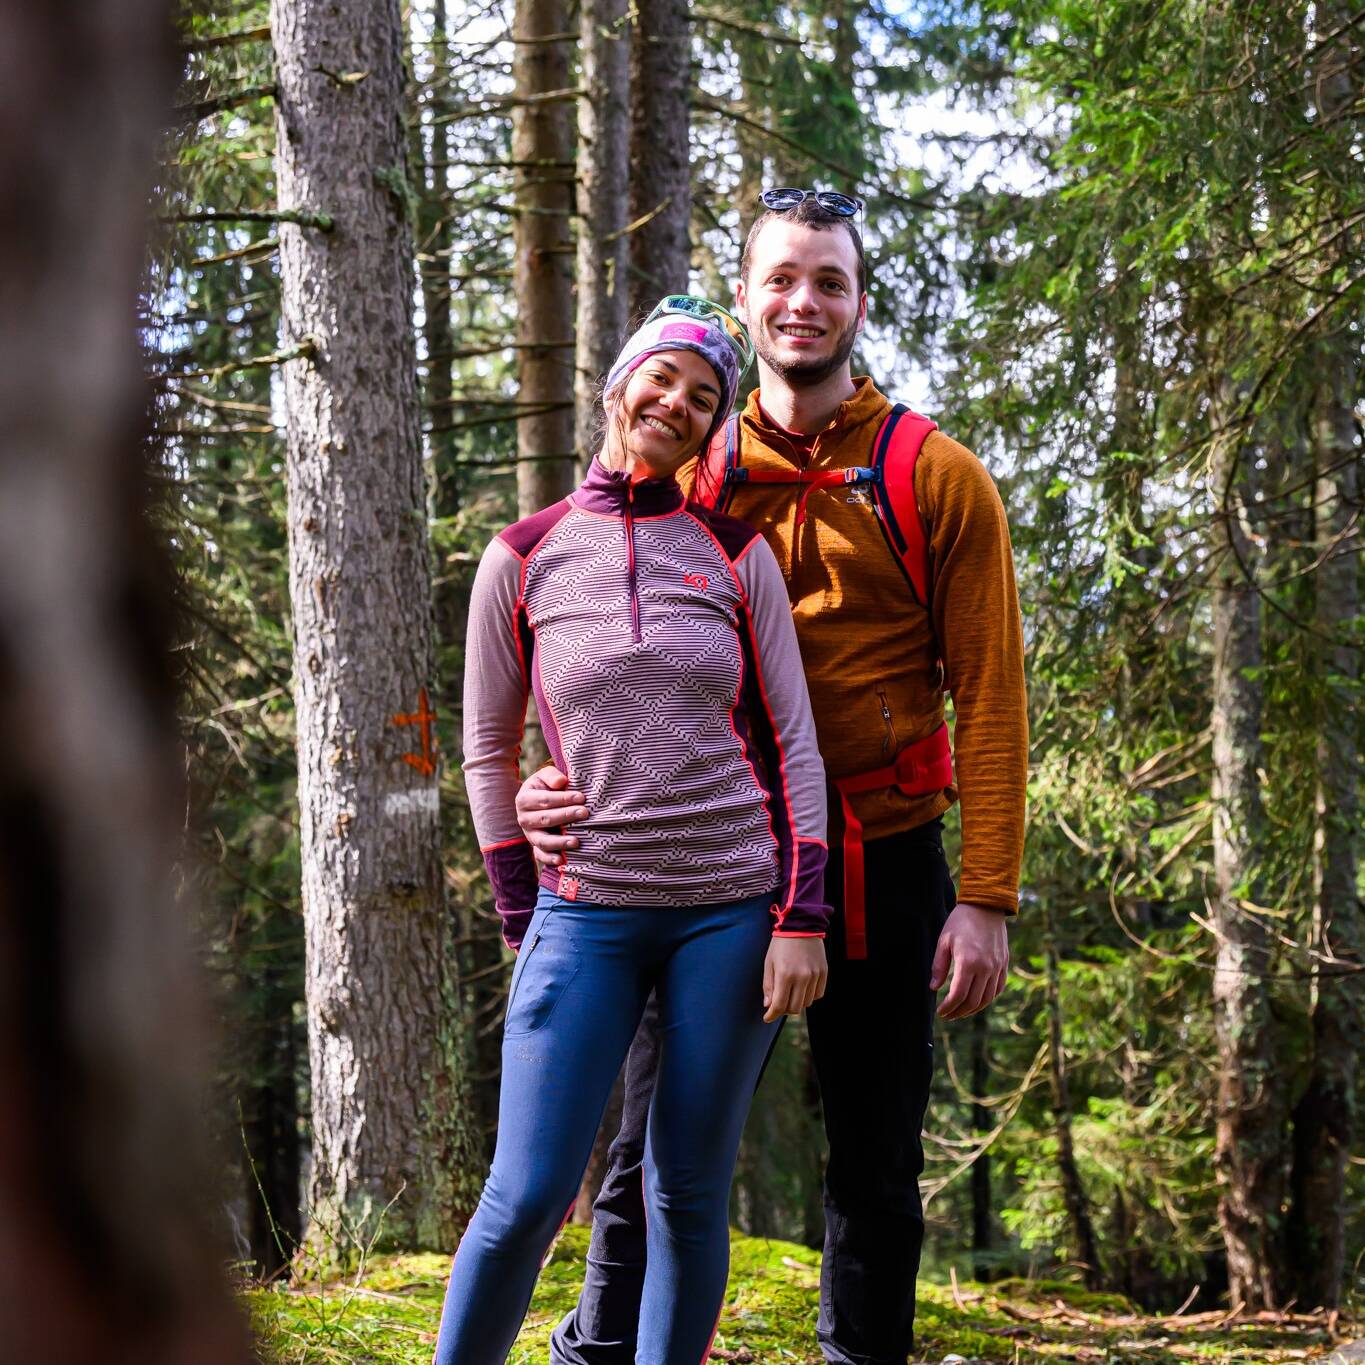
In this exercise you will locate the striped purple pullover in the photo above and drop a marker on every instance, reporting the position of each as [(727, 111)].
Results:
[(659, 641)]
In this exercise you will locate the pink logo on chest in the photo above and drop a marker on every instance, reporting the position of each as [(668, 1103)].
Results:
[(696, 580)]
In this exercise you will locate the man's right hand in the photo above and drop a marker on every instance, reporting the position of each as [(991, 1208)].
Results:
[(544, 806)]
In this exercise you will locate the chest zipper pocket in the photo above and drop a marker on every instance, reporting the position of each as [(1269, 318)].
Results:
[(889, 742)]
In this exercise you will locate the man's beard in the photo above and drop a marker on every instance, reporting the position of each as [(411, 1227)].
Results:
[(805, 374)]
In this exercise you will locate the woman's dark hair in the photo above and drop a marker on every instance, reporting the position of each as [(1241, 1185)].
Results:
[(808, 213)]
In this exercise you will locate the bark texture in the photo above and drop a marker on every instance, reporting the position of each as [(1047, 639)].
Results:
[(388, 1129), (982, 1227), (1250, 1121), (661, 175), (1073, 1191), (103, 1242), (542, 148), (435, 237), (1325, 1119), (603, 171), (1325, 1116), (754, 64)]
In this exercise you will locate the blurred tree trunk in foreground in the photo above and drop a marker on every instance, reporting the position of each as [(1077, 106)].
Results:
[(103, 1250), (390, 1132)]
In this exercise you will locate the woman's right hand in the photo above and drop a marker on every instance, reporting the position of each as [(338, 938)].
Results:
[(544, 806), (794, 976)]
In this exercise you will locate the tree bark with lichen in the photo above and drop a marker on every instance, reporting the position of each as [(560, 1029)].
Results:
[(1250, 1116), (390, 1140)]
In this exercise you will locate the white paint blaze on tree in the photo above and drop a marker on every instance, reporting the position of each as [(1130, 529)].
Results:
[(388, 1128)]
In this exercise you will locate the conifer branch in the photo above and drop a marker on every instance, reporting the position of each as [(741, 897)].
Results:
[(246, 35), (263, 244), (324, 222), (215, 104), (305, 350)]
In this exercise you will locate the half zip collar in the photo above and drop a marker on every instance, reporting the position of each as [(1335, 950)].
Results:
[(841, 442), (630, 561), (610, 492)]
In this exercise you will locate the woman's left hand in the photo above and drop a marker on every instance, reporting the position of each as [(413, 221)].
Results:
[(794, 976)]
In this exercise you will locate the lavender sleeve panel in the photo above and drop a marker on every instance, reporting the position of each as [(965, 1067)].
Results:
[(494, 720), (800, 780)]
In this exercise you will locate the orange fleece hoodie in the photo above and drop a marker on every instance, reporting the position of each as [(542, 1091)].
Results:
[(871, 651)]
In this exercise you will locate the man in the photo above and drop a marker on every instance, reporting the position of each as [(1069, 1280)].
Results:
[(878, 663)]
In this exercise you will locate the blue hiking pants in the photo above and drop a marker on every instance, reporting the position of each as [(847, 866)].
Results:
[(577, 995), (871, 1041)]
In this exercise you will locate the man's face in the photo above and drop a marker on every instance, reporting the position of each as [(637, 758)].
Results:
[(801, 301)]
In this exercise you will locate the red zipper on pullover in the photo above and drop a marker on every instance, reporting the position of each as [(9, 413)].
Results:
[(630, 564)]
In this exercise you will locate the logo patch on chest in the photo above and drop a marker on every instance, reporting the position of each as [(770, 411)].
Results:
[(696, 580)]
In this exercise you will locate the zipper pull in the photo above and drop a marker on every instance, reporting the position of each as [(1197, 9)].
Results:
[(890, 735)]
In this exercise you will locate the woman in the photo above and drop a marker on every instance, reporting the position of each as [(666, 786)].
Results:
[(660, 645)]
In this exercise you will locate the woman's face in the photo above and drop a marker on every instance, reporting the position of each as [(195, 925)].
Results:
[(663, 414)]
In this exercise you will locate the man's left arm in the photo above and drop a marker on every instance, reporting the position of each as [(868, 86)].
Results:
[(976, 621)]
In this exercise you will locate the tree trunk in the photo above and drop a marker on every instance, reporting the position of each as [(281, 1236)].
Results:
[(603, 171), (661, 178), (435, 237), (1251, 1091), (1073, 1191), (103, 1180), (542, 147), (1325, 1116), (753, 54), (981, 1167), (389, 1137)]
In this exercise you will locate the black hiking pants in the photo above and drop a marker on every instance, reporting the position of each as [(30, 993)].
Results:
[(872, 1041)]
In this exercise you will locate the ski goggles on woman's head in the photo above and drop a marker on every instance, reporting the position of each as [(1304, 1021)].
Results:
[(688, 305), (779, 201)]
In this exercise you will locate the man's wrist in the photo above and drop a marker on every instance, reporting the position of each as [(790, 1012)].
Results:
[(1005, 912)]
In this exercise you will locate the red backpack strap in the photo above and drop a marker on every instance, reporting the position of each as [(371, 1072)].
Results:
[(712, 486), (894, 456)]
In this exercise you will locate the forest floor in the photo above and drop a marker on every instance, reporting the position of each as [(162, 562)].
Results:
[(388, 1314)]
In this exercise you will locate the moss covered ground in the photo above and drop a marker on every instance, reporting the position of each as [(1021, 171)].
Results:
[(387, 1315)]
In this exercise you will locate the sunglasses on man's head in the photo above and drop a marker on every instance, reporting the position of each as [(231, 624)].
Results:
[(780, 201), (688, 305)]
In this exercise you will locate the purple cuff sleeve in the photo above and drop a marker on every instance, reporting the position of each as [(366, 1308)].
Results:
[(512, 871), (808, 915)]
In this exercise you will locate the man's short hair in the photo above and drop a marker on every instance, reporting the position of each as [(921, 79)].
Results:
[(808, 213)]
